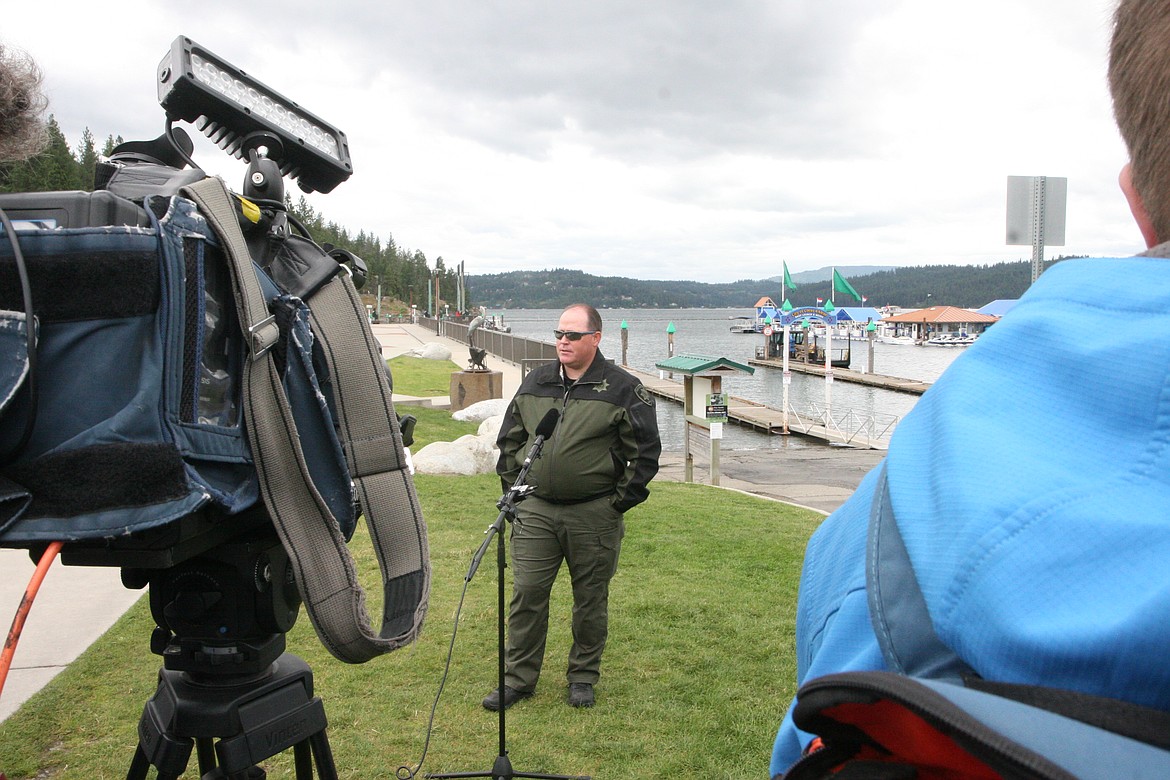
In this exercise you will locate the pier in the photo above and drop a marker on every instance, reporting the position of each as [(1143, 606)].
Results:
[(897, 383), (840, 427)]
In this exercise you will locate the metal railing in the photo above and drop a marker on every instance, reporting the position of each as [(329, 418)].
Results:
[(845, 425), (525, 353)]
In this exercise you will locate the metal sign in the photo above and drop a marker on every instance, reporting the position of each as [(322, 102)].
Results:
[(1035, 214), (1036, 205)]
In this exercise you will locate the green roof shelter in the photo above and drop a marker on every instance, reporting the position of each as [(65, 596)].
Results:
[(705, 405)]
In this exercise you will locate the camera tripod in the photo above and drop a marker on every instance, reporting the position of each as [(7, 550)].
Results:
[(226, 685)]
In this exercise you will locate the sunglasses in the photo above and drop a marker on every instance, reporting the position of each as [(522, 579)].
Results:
[(571, 335)]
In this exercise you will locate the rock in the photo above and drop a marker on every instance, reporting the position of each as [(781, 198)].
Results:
[(491, 427), (482, 410), (431, 352), (466, 456)]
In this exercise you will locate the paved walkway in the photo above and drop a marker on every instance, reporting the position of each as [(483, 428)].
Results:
[(77, 604)]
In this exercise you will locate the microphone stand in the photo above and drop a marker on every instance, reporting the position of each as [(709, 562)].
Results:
[(502, 768)]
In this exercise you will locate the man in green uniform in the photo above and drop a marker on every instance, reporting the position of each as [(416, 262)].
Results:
[(594, 467)]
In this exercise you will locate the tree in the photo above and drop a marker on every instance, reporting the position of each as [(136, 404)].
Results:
[(403, 273), (87, 158), (52, 169)]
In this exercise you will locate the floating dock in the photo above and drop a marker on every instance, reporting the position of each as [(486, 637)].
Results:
[(760, 417), (897, 383)]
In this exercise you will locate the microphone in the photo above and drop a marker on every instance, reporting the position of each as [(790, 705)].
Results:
[(519, 490), (544, 429)]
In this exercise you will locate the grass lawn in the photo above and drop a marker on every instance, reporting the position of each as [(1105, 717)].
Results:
[(698, 671), (420, 376)]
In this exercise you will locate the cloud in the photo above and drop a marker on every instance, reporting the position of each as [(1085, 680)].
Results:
[(655, 139)]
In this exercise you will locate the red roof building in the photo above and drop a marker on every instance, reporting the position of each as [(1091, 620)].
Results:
[(938, 320)]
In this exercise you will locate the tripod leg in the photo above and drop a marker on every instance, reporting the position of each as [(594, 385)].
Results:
[(326, 769), (303, 757), (169, 755), (205, 753), (138, 765)]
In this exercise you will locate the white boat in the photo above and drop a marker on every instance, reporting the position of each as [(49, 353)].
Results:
[(747, 324), (951, 340), (901, 340)]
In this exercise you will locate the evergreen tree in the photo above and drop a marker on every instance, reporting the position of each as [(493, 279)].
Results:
[(53, 169), (110, 144), (87, 158)]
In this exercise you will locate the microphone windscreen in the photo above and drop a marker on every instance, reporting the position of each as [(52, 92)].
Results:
[(546, 426)]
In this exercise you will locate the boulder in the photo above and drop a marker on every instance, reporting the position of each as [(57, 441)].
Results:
[(482, 410), (431, 352), (491, 427), (466, 456)]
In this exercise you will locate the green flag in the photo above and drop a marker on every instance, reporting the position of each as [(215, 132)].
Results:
[(842, 286), (788, 279)]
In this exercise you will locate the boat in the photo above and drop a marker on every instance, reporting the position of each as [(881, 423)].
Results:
[(757, 327), (493, 322), (951, 340), (908, 341), (805, 350), (744, 324), (496, 322)]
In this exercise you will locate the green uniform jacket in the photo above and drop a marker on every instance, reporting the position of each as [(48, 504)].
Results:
[(605, 442)]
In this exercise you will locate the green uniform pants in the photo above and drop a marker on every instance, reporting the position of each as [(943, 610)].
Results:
[(588, 537)]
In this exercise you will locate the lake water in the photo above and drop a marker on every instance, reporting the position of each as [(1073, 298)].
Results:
[(708, 332)]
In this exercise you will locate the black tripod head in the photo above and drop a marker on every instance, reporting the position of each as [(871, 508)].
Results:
[(222, 614)]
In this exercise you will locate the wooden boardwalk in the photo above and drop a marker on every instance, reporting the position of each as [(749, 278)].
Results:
[(847, 375), (752, 414)]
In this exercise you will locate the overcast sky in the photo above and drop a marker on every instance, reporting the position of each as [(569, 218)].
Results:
[(655, 139)]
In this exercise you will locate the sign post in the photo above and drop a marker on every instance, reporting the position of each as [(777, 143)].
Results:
[(830, 323), (786, 319), (1036, 214)]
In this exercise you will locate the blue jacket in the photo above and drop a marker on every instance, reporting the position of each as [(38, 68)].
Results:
[(1032, 487)]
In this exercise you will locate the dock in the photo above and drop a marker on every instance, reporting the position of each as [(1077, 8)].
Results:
[(897, 383), (760, 417)]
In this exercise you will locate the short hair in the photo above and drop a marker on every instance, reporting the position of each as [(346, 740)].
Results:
[(1139, 81), (591, 314), (22, 105)]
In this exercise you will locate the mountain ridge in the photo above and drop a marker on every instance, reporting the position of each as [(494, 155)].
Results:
[(967, 286)]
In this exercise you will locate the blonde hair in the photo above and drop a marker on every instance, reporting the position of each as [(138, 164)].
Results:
[(22, 106)]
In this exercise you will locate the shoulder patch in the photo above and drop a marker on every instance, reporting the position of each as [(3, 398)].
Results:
[(644, 395)]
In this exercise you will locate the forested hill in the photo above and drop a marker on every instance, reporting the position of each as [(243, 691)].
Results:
[(968, 286)]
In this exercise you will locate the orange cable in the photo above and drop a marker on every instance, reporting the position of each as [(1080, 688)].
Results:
[(22, 611)]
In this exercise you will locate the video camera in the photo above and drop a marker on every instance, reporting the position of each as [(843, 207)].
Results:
[(126, 341)]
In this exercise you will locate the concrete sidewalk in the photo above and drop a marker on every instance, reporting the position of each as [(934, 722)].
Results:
[(77, 604)]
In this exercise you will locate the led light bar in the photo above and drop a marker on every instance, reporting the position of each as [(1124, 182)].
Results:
[(226, 104)]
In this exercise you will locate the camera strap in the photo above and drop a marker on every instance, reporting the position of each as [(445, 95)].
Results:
[(368, 429)]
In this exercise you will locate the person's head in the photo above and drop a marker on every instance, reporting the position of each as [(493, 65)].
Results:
[(578, 336), (22, 105), (1139, 80)]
